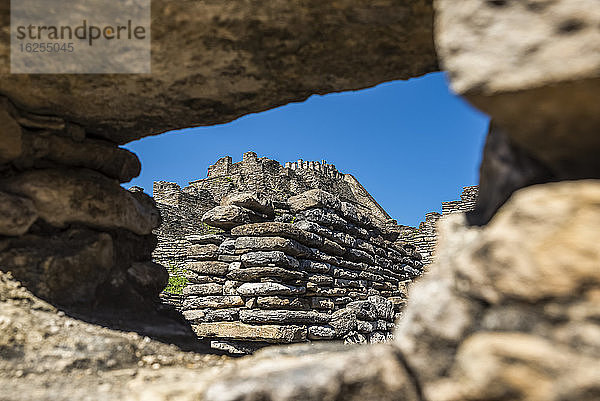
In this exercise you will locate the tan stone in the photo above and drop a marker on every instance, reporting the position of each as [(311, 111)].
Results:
[(83, 196), (17, 214), (10, 137), (241, 331)]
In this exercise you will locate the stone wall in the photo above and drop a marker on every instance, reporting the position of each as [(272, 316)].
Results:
[(182, 208), (424, 237), (317, 269), (68, 230)]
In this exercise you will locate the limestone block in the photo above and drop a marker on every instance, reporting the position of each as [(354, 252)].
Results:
[(314, 267), (206, 239), (267, 289), (230, 287), (266, 258), (315, 198), (102, 156), (17, 214), (62, 197), (377, 337), (196, 278), (336, 371), (343, 321), (383, 307), (257, 202), (242, 331), (327, 292), (66, 268), (297, 49), (278, 229), (203, 289), (257, 273), (203, 252), (10, 138), (148, 278), (534, 68), (339, 272), (282, 317), (332, 248), (321, 333), (211, 315), (227, 247), (286, 245), (357, 255), (282, 302), (322, 303), (227, 217), (213, 301), (213, 268)]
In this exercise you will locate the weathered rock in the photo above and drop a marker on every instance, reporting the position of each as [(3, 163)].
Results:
[(17, 214), (148, 277), (206, 239), (270, 54), (256, 273), (282, 317), (11, 139), (203, 252), (211, 315), (286, 245), (236, 330), (277, 229), (203, 289), (65, 268), (546, 105), (267, 289), (227, 217), (321, 333), (255, 201), (265, 258), (214, 301), (282, 302), (314, 199), (209, 267), (83, 196), (102, 156)]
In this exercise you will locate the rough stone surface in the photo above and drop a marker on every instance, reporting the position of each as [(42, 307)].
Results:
[(83, 196), (235, 58), (229, 216), (236, 330), (508, 59), (17, 214)]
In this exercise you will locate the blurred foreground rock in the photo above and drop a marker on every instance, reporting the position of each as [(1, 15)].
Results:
[(509, 312)]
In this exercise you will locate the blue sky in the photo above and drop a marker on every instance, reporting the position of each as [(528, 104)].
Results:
[(412, 144)]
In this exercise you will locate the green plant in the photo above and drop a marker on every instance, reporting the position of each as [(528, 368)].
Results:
[(177, 280)]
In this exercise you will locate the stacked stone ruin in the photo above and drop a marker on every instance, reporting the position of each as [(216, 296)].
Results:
[(68, 230), (312, 269)]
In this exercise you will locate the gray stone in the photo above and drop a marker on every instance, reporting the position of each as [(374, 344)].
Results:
[(17, 214), (321, 333), (314, 267), (242, 331), (257, 273), (203, 252), (286, 245), (267, 289), (282, 302), (277, 229), (227, 217), (63, 197), (265, 258), (313, 199), (203, 289), (282, 317), (209, 267), (206, 239), (214, 301), (257, 202), (148, 277)]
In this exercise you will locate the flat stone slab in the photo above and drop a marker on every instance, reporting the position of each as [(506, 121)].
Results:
[(265, 258), (278, 229), (286, 245), (265, 289), (214, 301), (257, 273), (242, 331), (209, 267), (282, 317), (203, 289)]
